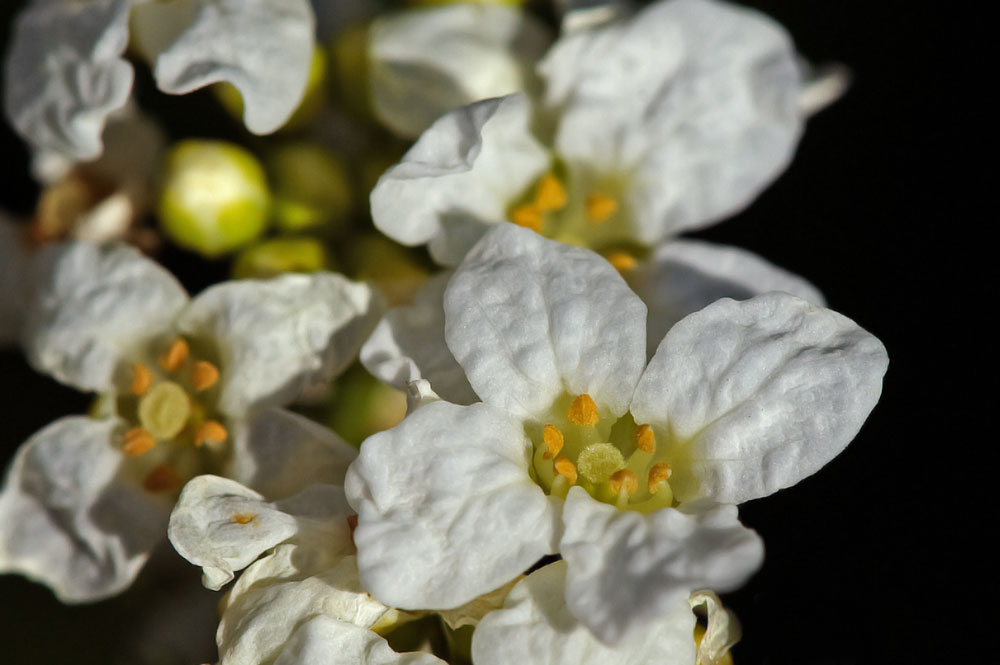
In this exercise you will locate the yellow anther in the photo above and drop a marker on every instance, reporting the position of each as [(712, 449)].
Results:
[(644, 439), (623, 479), (565, 468), (550, 195), (600, 207), (529, 216), (583, 411), (621, 261), (658, 474), (553, 439), (142, 379), (161, 479), (204, 375), (137, 441), (598, 461), (164, 409), (174, 356), (243, 518), (210, 432)]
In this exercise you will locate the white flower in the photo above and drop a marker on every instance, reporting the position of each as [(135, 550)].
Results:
[(649, 126), (740, 400), (187, 387), (66, 70)]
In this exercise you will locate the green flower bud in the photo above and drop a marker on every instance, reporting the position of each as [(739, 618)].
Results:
[(214, 197), (277, 256), (311, 187), (349, 61)]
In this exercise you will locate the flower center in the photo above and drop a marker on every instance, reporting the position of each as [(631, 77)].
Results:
[(576, 218), (614, 460), (169, 400)]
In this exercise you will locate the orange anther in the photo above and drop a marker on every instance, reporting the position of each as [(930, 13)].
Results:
[(644, 439), (137, 441), (161, 479), (243, 518), (204, 375), (528, 216), (623, 479), (210, 431), (600, 207), (659, 473), (566, 468), (583, 411), (142, 379), (550, 194), (553, 439), (174, 356), (621, 261)]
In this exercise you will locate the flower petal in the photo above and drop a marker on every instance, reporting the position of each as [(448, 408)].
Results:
[(759, 394), (627, 569), (408, 344), (262, 47), (325, 641), (695, 100), (684, 276), (446, 508), (275, 337), (530, 318), (426, 62), (65, 73), (66, 518), (459, 177), (536, 627), (278, 453), (94, 305)]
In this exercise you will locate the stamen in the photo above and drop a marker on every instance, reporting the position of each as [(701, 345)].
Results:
[(583, 411), (175, 354), (550, 195), (161, 479), (553, 439), (204, 375), (142, 379), (658, 474), (164, 410), (210, 432), (600, 207), (621, 261), (598, 461), (645, 439), (565, 468), (243, 518), (528, 216), (623, 479), (137, 442)]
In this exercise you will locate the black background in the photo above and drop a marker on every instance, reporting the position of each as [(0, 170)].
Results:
[(882, 556)]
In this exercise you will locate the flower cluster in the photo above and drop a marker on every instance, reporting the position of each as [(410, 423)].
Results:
[(588, 396)]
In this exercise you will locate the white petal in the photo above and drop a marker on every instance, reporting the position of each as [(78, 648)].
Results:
[(721, 633), (684, 276), (69, 520), (627, 569), (65, 73), (530, 318), (446, 508), (275, 337), (460, 177), (426, 62), (278, 453), (326, 641), (16, 279), (536, 628), (696, 100), (263, 47), (93, 305), (761, 394), (408, 344)]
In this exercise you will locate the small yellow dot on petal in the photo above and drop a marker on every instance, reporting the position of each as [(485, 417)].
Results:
[(528, 216), (623, 479), (565, 468), (621, 261), (583, 411), (210, 432), (174, 356), (644, 438), (142, 378), (550, 195), (600, 207), (204, 375), (659, 473), (137, 442), (243, 518), (553, 439)]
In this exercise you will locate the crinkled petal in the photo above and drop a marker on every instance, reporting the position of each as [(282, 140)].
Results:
[(69, 519), (722, 630), (694, 102), (94, 305), (262, 47), (460, 177), (535, 627), (278, 453), (276, 337), (684, 276), (759, 394), (408, 344), (446, 508), (426, 62), (530, 319), (326, 641), (626, 569), (65, 73)]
